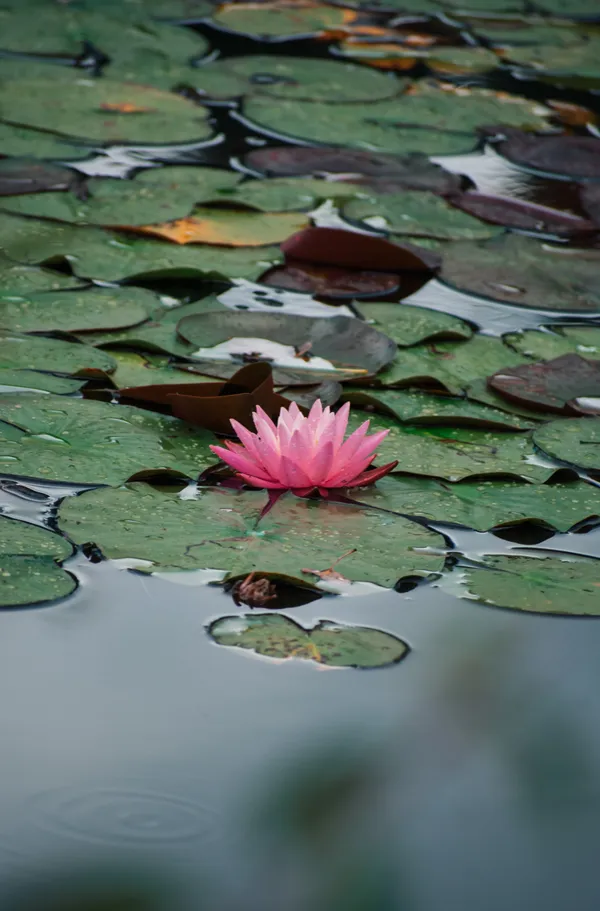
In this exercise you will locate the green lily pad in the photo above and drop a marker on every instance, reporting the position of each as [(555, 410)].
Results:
[(577, 58), (418, 213), (25, 142), (108, 256), (145, 369), (270, 20), (455, 453), (579, 8), (539, 585), (374, 128), (484, 505), (90, 442), (287, 194), (75, 311), (546, 345), (523, 271), (449, 365), (219, 530), (408, 325), (576, 441), (138, 10), (298, 78), (28, 571), (342, 341), (328, 643), (103, 110), (35, 381), (156, 195), (26, 279), (479, 391), (442, 60), (26, 175), (421, 408), (28, 352)]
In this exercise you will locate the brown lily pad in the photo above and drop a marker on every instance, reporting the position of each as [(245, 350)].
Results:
[(212, 405), (20, 175), (550, 385), (575, 156), (518, 213), (330, 281), (350, 250), (590, 200)]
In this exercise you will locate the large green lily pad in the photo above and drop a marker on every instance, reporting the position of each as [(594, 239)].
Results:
[(29, 573), (75, 311), (455, 453), (135, 369), (408, 325), (520, 270), (540, 585), (451, 365), (303, 79), (414, 407), (220, 530), (108, 256), (27, 352), (484, 505), (273, 21), (26, 142), (21, 279), (415, 213), (328, 643), (156, 195), (343, 341), (90, 442), (546, 345), (287, 194), (103, 110), (576, 441), (35, 381)]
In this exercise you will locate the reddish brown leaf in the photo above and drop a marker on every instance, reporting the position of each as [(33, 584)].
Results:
[(329, 281), (517, 213), (212, 405), (550, 385), (590, 199), (576, 156), (350, 250)]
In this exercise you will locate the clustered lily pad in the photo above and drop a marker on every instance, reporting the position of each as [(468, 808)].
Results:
[(29, 564)]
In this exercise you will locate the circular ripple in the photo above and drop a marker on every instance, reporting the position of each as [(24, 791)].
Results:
[(113, 815)]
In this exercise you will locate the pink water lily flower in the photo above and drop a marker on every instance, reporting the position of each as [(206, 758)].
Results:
[(304, 453)]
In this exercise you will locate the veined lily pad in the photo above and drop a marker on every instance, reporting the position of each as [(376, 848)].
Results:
[(455, 453), (450, 365), (421, 408), (327, 643), (156, 195), (540, 585), (576, 441), (103, 110), (75, 311), (35, 381), (107, 256), (343, 341), (414, 214), (219, 530), (483, 505), (89, 442), (29, 573), (27, 352), (408, 325), (520, 270), (294, 77)]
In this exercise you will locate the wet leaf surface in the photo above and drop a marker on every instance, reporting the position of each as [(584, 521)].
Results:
[(29, 573), (327, 643), (518, 270), (75, 311), (407, 324), (227, 227), (87, 442), (346, 250), (26, 352), (576, 442), (548, 344), (550, 385), (538, 585), (220, 529), (35, 381), (331, 281)]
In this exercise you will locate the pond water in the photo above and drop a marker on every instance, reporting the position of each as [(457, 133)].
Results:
[(136, 750)]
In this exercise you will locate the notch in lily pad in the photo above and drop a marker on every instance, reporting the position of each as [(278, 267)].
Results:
[(328, 643)]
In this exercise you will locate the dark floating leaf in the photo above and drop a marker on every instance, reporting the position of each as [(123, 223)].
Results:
[(19, 176), (349, 250), (412, 172), (517, 213), (590, 200), (212, 405), (538, 584), (343, 341), (29, 572), (575, 441), (551, 385), (574, 156), (521, 270), (328, 643), (332, 282)]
